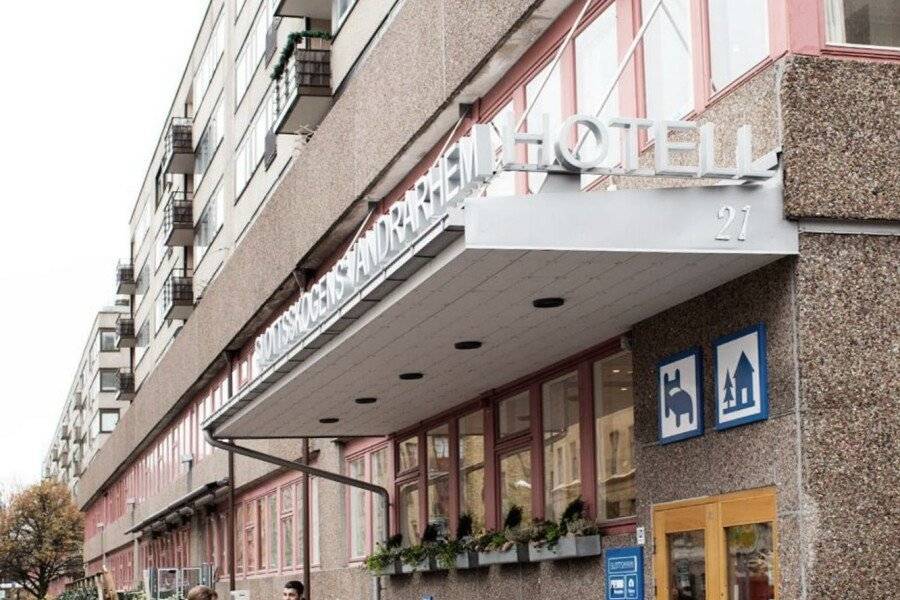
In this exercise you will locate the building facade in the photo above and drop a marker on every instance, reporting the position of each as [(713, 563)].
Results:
[(92, 408), (486, 255)]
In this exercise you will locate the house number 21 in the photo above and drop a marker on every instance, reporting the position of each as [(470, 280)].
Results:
[(727, 213)]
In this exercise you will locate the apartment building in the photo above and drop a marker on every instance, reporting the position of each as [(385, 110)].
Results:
[(94, 403), (470, 256)]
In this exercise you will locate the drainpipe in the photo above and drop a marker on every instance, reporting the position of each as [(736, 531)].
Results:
[(307, 555), (313, 472)]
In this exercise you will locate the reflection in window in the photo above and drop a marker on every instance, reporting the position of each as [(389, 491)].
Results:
[(515, 414), (596, 61), (667, 61), (863, 22), (273, 530), (738, 38), (562, 473), (751, 574), (438, 445), (548, 103), (687, 565), (471, 468), (409, 514), (515, 483), (614, 435), (357, 510), (409, 454), (287, 526), (380, 478)]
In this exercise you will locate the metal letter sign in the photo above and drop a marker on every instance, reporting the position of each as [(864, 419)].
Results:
[(625, 573)]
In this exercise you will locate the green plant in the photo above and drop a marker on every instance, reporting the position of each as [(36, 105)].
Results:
[(576, 509), (288, 50), (385, 555)]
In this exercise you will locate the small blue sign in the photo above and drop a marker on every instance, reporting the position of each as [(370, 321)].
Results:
[(740, 376), (680, 393), (625, 573)]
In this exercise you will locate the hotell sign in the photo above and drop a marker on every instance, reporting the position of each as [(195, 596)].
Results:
[(466, 165)]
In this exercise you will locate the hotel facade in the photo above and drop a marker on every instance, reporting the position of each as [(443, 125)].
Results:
[(398, 262)]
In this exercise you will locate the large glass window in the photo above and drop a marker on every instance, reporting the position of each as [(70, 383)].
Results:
[(409, 454), (738, 38), (107, 341), (210, 223), (863, 22), (209, 142), (409, 513), (471, 468), (109, 418), (514, 414), (251, 53), (109, 380), (668, 73), (515, 483), (357, 510), (380, 478), (272, 533), (438, 445), (548, 103), (210, 60), (614, 436), (562, 445), (250, 150), (596, 61)]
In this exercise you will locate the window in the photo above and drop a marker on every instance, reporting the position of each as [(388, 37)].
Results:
[(379, 477), (339, 11), (252, 52), (109, 418), (471, 468), (208, 63), (272, 531), (548, 103), (437, 442), (252, 511), (209, 142), (142, 340), (314, 521), (358, 521), (863, 22), (143, 225), (614, 436), (287, 526), (667, 61), (209, 224), (239, 539), (109, 380), (409, 454), (738, 39), (596, 61), (162, 251), (250, 151), (409, 513), (159, 306), (515, 414), (562, 445), (515, 483), (107, 340), (142, 282)]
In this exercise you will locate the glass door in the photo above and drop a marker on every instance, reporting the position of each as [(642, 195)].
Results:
[(716, 548)]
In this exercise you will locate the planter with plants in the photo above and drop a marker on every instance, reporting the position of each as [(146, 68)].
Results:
[(575, 536), (423, 557), (507, 546), (459, 553), (386, 558), (292, 40)]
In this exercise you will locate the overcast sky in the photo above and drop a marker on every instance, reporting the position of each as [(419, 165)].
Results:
[(85, 90)]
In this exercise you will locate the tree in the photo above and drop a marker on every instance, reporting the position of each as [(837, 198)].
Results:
[(41, 533)]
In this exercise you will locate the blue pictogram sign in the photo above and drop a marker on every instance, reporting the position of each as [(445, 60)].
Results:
[(740, 377), (625, 573)]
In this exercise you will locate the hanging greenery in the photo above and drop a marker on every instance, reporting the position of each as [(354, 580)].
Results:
[(292, 41)]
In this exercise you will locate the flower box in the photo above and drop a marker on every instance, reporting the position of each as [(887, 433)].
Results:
[(424, 565), (467, 560), (394, 568), (515, 554), (570, 546)]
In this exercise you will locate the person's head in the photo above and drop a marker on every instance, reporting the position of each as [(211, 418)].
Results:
[(201, 592), (293, 590)]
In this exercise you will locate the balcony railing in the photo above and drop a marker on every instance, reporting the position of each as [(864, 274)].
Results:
[(303, 90), (178, 149), (125, 278), (178, 219), (125, 337), (178, 295), (125, 385)]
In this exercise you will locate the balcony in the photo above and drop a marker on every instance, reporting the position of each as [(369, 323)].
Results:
[(63, 451), (125, 337), (125, 385), (77, 400), (178, 219), (125, 284), (76, 431), (64, 431), (178, 148), (303, 90), (178, 295), (314, 9)]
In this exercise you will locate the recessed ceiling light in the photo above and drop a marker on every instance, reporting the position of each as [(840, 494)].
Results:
[(411, 376), (328, 420), (623, 389), (617, 370), (366, 400), (467, 345), (548, 302)]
